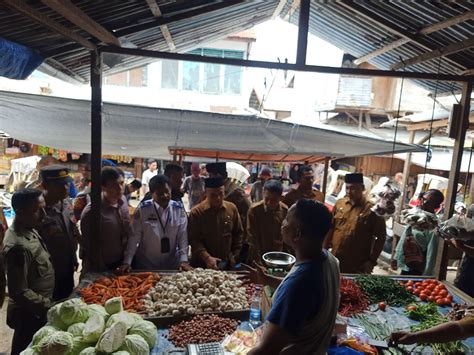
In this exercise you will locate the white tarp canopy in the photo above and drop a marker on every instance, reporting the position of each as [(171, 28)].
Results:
[(441, 160), (140, 131)]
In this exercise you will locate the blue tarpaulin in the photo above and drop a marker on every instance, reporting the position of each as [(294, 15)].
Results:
[(17, 61)]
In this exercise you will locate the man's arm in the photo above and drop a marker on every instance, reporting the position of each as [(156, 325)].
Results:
[(380, 233), (237, 233), (442, 333), (17, 261), (195, 239), (183, 246), (273, 341), (251, 234)]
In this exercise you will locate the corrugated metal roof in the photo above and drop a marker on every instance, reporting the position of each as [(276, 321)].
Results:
[(353, 33)]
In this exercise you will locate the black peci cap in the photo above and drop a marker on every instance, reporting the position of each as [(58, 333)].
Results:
[(210, 183), (217, 168), (355, 178)]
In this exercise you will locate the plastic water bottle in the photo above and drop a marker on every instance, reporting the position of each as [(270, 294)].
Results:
[(255, 310)]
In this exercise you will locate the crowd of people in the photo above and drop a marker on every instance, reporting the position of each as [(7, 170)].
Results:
[(222, 230)]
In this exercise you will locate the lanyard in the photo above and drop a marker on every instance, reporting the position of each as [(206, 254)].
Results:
[(159, 218)]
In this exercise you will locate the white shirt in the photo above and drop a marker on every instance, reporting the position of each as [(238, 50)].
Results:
[(146, 177), (144, 245)]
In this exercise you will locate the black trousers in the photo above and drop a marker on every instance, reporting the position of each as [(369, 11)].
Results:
[(411, 272), (24, 331)]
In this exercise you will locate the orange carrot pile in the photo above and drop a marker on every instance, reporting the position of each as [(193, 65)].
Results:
[(132, 288)]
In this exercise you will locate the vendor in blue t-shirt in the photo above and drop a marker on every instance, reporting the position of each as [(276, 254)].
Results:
[(305, 303)]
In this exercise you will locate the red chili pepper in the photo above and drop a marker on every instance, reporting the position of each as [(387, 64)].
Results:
[(353, 299)]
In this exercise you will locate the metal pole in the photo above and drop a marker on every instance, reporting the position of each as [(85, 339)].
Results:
[(442, 255), (96, 156), (325, 177), (406, 176), (303, 26)]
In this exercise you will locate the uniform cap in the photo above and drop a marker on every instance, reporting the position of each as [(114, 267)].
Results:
[(55, 173), (210, 183), (217, 168), (356, 178)]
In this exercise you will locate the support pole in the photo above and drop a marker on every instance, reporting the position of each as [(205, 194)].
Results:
[(96, 156), (327, 160), (303, 26), (442, 255), (406, 175)]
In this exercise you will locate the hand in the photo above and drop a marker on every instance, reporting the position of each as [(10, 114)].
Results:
[(394, 264), (256, 274), (402, 338), (123, 269), (211, 262), (184, 266)]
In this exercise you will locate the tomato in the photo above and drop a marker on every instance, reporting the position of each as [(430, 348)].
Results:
[(440, 302), (411, 308), (382, 306), (450, 298), (443, 293), (435, 293), (417, 292), (418, 284), (431, 299), (410, 289), (431, 287), (438, 298), (428, 292), (446, 301), (410, 283), (423, 296)]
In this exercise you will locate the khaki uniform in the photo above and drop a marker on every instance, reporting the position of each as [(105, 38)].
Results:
[(236, 195), (30, 276), (294, 195), (57, 232), (215, 232), (264, 230), (355, 230)]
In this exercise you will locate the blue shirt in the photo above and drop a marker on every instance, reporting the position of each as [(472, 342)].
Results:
[(299, 297)]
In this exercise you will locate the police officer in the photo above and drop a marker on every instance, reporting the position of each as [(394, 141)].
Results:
[(159, 240), (58, 228), (29, 269)]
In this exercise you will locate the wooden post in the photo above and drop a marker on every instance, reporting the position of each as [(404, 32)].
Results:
[(303, 25), (96, 156), (327, 160), (406, 175), (442, 255)]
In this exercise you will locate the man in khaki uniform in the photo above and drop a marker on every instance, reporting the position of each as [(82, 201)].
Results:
[(305, 188), (264, 222), (30, 271), (358, 234), (214, 229)]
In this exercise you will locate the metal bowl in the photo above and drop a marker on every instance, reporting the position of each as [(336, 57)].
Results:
[(279, 259)]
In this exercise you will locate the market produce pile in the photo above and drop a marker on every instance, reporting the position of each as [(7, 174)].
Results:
[(460, 311), (196, 291), (132, 288), (353, 299), (75, 328), (203, 328), (429, 291), (383, 289)]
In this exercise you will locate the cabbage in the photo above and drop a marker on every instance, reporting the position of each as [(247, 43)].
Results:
[(28, 351), (147, 330), (73, 311), (79, 344), (47, 330), (97, 308), (76, 329), (128, 318), (114, 305), (121, 352), (88, 351), (93, 328), (136, 345), (112, 339), (58, 343), (54, 319)]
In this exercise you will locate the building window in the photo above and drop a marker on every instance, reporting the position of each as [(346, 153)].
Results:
[(137, 77), (204, 77)]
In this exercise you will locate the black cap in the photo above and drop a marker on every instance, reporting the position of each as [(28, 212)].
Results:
[(213, 182), (217, 168), (56, 174), (356, 178)]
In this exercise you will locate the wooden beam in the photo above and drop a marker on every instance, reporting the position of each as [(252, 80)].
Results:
[(279, 8), (424, 31), (458, 150), (440, 52), (427, 136), (155, 10), (391, 27), (361, 116), (294, 6), (368, 120), (78, 17), (352, 117), (426, 125), (26, 10), (406, 175), (324, 186)]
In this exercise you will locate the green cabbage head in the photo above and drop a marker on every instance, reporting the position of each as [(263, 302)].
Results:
[(59, 343), (93, 328), (73, 311), (147, 330), (97, 308), (136, 345), (114, 305), (45, 331), (88, 351), (76, 329), (112, 339), (54, 318), (79, 344), (128, 318)]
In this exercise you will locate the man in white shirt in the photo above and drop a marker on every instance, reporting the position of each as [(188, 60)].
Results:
[(159, 240), (147, 175)]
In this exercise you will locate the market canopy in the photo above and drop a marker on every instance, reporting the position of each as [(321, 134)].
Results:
[(140, 131)]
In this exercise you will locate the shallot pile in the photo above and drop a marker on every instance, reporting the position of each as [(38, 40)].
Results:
[(204, 328)]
